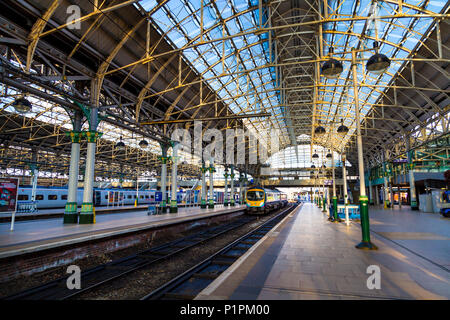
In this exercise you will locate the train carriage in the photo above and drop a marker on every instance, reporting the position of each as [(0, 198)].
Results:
[(56, 197), (259, 200)]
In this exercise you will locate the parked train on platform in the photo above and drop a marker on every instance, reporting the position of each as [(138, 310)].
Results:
[(260, 200), (56, 197)]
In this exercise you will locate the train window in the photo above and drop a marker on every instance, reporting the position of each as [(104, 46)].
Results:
[(254, 195), (141, 197), (152, 196), (22, 197), (130, 196), (52, 197), (106, 197), (146, 196), (39, 197), (64, 197)]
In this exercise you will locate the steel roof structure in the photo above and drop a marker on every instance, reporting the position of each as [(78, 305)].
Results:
[(177, 60)]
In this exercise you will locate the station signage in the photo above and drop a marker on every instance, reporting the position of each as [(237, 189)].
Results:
[(8, 194)]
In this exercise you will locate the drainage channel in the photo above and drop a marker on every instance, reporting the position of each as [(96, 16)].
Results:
[(189, 284)]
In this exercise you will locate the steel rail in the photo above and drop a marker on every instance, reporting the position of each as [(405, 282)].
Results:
[(190, 283), (105, 273)]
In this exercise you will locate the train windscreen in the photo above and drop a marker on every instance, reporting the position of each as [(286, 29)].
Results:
[(255, 195)]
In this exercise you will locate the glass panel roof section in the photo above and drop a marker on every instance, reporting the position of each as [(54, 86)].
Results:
[(397, 38), (287, 158), (235, 67)]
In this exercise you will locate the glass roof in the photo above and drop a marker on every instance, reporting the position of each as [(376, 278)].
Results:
[(397, 38), (234, 68), (287, 158)]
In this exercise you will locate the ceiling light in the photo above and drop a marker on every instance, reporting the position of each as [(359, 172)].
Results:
[(342, 130), (143, 144), (120, 145), (332, 68), (22, 105), (378, 63)]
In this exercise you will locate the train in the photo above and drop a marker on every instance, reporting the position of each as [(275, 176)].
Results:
[(259, 200), (56, 197)]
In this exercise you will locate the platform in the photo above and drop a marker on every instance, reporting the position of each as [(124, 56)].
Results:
[(59, 212), (307, 257), (36, 235)]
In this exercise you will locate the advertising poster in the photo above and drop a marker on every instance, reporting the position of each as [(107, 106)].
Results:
[(8, 194)]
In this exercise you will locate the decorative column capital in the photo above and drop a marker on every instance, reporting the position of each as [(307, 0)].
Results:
[(92, 136), (75, 136), (164, 160), (212, 169)]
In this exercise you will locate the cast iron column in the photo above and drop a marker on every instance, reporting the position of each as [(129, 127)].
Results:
[(363, 201)]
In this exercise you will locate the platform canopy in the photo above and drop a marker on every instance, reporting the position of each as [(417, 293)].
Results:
[(178, 60)]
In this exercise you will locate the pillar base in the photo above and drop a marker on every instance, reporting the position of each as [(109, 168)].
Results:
[(163, 209), (87, 215), (70, 218), (414, 205), (366, 246), (70, 213), (232, 204), (211, 205), (226, 204), (173, 206), (203, 204)]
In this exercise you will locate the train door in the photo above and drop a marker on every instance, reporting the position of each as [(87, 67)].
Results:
[(97, 198)]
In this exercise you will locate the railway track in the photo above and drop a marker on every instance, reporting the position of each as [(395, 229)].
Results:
[(105, 273), (189, 284)]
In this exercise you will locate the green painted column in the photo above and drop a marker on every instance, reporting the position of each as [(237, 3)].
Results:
[(164, 159), (173, 198), (232, 201), (334, 199), (211, 185), (324, 203), (226, 201), (363, 200), (203, 198), (335, 211)]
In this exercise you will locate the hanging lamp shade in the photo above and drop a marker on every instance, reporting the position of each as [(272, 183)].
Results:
[(313, 167), (315, 155), (143, 144), (320, 131), (378, 63), (120, 145), (342, 130), (22, 105), (332, 68), (329, 155)]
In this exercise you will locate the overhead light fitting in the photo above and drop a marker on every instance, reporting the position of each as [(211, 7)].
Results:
[(120, 145), (342, 130), (320, 130), (329, 155), (143, 144), (315, 155), (332, 68), (22, 105), (378, 63)]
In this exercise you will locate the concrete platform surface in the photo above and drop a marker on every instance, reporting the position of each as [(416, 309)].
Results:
[(35, 235), (307, 257)]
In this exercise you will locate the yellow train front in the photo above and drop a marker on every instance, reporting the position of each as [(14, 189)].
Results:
[(261, 201)]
